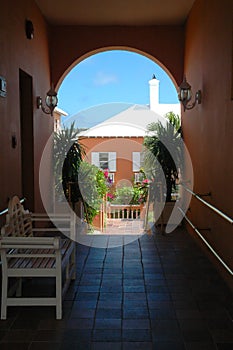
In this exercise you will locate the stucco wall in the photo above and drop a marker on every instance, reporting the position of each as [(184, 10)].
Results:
[(163, 43), (208, 128), (123, 148), (206, 59), (31, 56)]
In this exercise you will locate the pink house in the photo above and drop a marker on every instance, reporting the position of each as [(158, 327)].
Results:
[(117, 143)]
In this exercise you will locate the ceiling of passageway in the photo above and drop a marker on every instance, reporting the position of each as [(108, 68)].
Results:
[(115, 12)]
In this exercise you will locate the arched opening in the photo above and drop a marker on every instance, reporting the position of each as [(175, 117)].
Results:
[(132, 88), (129, 130), (116, 48), (114, 144)]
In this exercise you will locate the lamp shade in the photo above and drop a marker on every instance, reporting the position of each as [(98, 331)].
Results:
[(185, 93), (51, 98)]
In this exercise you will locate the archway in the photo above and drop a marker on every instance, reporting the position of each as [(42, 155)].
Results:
[(114, 48), (130, 87), (120, 135)]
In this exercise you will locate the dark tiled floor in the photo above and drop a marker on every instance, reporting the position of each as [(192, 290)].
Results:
[(157, 292)]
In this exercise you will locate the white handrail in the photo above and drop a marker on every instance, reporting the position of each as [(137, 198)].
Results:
[(5, 211), (206, 242), (216, 210)]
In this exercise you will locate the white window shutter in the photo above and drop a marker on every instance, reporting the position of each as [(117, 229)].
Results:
[(95, 158), (136, 161), (112, 161)]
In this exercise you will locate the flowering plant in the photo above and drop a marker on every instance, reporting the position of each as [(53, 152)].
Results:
[(107, 178), (141, 188), (110, 197), (144, 188)]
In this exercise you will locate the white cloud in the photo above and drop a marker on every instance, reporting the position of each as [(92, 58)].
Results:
[(102, 78)]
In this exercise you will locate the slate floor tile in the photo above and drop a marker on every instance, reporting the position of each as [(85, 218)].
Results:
[(107, 335), (133, 288), (108, 313), (141, 335), (134, 304), (108, 323), (77, 345), (15, 346), (80, 323), (222, 336), (89, 288), (158, 296), (82, 313), (224, 346), (109, 304), (90, 304), (160, 314), (136, 324), (25, 323), (196, 336), (110, 288), (194, 325), (137, 346), (86, 296), (200, 346), (134, 296), (44, 346), (48, 335), (18, 336), (106, 346), (76, 335), (138, 313), (166, 345)]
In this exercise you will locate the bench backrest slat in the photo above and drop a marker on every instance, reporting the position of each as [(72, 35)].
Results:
[(18, 219)]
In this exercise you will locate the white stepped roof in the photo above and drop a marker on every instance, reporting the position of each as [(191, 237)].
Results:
[(132, 122)]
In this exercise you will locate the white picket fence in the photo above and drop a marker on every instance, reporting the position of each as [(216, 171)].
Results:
[(122, 211)]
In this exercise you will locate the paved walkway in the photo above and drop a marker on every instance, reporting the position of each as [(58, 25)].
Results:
[(124, 226), (157, 292)]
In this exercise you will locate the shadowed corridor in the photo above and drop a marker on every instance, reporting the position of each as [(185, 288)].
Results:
[(157, 292)]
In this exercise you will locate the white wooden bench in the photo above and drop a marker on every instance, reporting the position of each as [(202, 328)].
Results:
[(28, 250)]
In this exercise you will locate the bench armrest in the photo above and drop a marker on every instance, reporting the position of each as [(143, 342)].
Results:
[(30, 243)]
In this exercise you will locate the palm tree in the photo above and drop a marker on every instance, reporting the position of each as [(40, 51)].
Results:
[(68, 154), (162, 156)]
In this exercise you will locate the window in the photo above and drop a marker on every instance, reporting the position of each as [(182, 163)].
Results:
[(104, 160), (137, 161)]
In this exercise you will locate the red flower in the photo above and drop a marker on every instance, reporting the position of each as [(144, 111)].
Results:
[(106, 174), (110, 195), (145, 181)]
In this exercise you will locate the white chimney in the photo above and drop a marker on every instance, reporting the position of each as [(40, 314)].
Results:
[(154, 94)]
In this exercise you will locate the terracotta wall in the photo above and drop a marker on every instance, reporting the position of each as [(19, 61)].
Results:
[(208, 128), (31, 56), (163, 43), (123, 148)]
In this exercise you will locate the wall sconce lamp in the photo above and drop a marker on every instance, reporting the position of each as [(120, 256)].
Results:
[(29, 29), (185, 95), (51, 101)]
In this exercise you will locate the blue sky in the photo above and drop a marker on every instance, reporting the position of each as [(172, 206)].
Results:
[(112, 76)]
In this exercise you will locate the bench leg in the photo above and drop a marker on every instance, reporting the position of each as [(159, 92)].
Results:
[(67, 272), (73, 262), (58, 286), (71, 267), (4, 296), (58, 297)]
